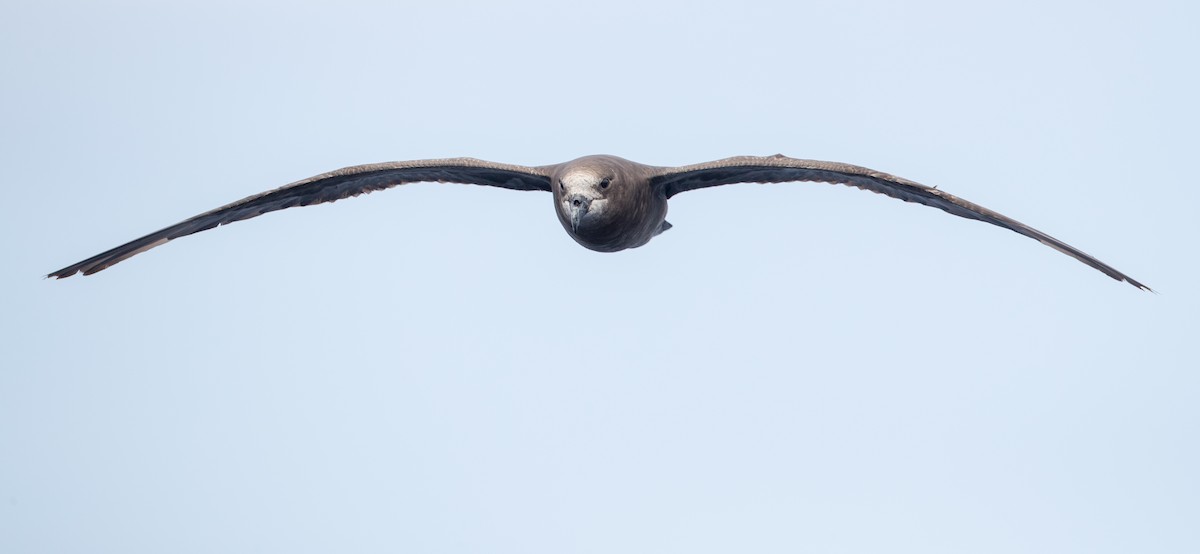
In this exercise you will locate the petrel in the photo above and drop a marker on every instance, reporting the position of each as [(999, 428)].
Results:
[(605, 203)]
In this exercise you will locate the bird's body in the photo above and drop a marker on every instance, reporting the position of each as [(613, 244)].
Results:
[(605, 203)]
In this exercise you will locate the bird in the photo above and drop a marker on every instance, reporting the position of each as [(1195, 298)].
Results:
[(605, 203)]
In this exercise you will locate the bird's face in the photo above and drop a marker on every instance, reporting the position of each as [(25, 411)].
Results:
[(583, 198)]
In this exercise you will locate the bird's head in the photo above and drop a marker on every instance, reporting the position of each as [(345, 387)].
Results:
[(583, 199)]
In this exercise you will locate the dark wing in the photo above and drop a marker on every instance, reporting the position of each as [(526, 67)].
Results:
[(779, 169), (328, 187)]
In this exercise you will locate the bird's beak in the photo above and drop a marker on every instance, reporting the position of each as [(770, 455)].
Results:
[(579, 208), (576, 215)]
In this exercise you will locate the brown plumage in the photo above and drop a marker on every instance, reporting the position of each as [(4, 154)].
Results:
[(605, 203)]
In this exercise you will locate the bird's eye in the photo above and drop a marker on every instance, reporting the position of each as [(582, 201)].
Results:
[(605, 182)]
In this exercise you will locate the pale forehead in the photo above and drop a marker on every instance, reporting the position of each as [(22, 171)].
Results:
[(590, 168), (582, 175)]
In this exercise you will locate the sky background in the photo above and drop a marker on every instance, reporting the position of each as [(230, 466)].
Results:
[(440, 368)]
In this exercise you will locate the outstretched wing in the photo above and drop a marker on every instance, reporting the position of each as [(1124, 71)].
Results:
[(779, 169), (328, 187)]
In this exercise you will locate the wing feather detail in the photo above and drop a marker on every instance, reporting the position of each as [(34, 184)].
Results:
[(327, 187), (780, 169)]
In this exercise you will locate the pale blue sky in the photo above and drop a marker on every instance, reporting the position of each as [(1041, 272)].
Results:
[(439, 368)]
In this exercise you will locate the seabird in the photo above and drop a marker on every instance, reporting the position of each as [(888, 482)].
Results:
[(605, 203)]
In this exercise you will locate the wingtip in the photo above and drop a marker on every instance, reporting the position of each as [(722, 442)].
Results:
[(1138, 285), (65, 272)]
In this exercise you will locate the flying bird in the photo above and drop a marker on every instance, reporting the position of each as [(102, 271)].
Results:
[(605, 203)]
